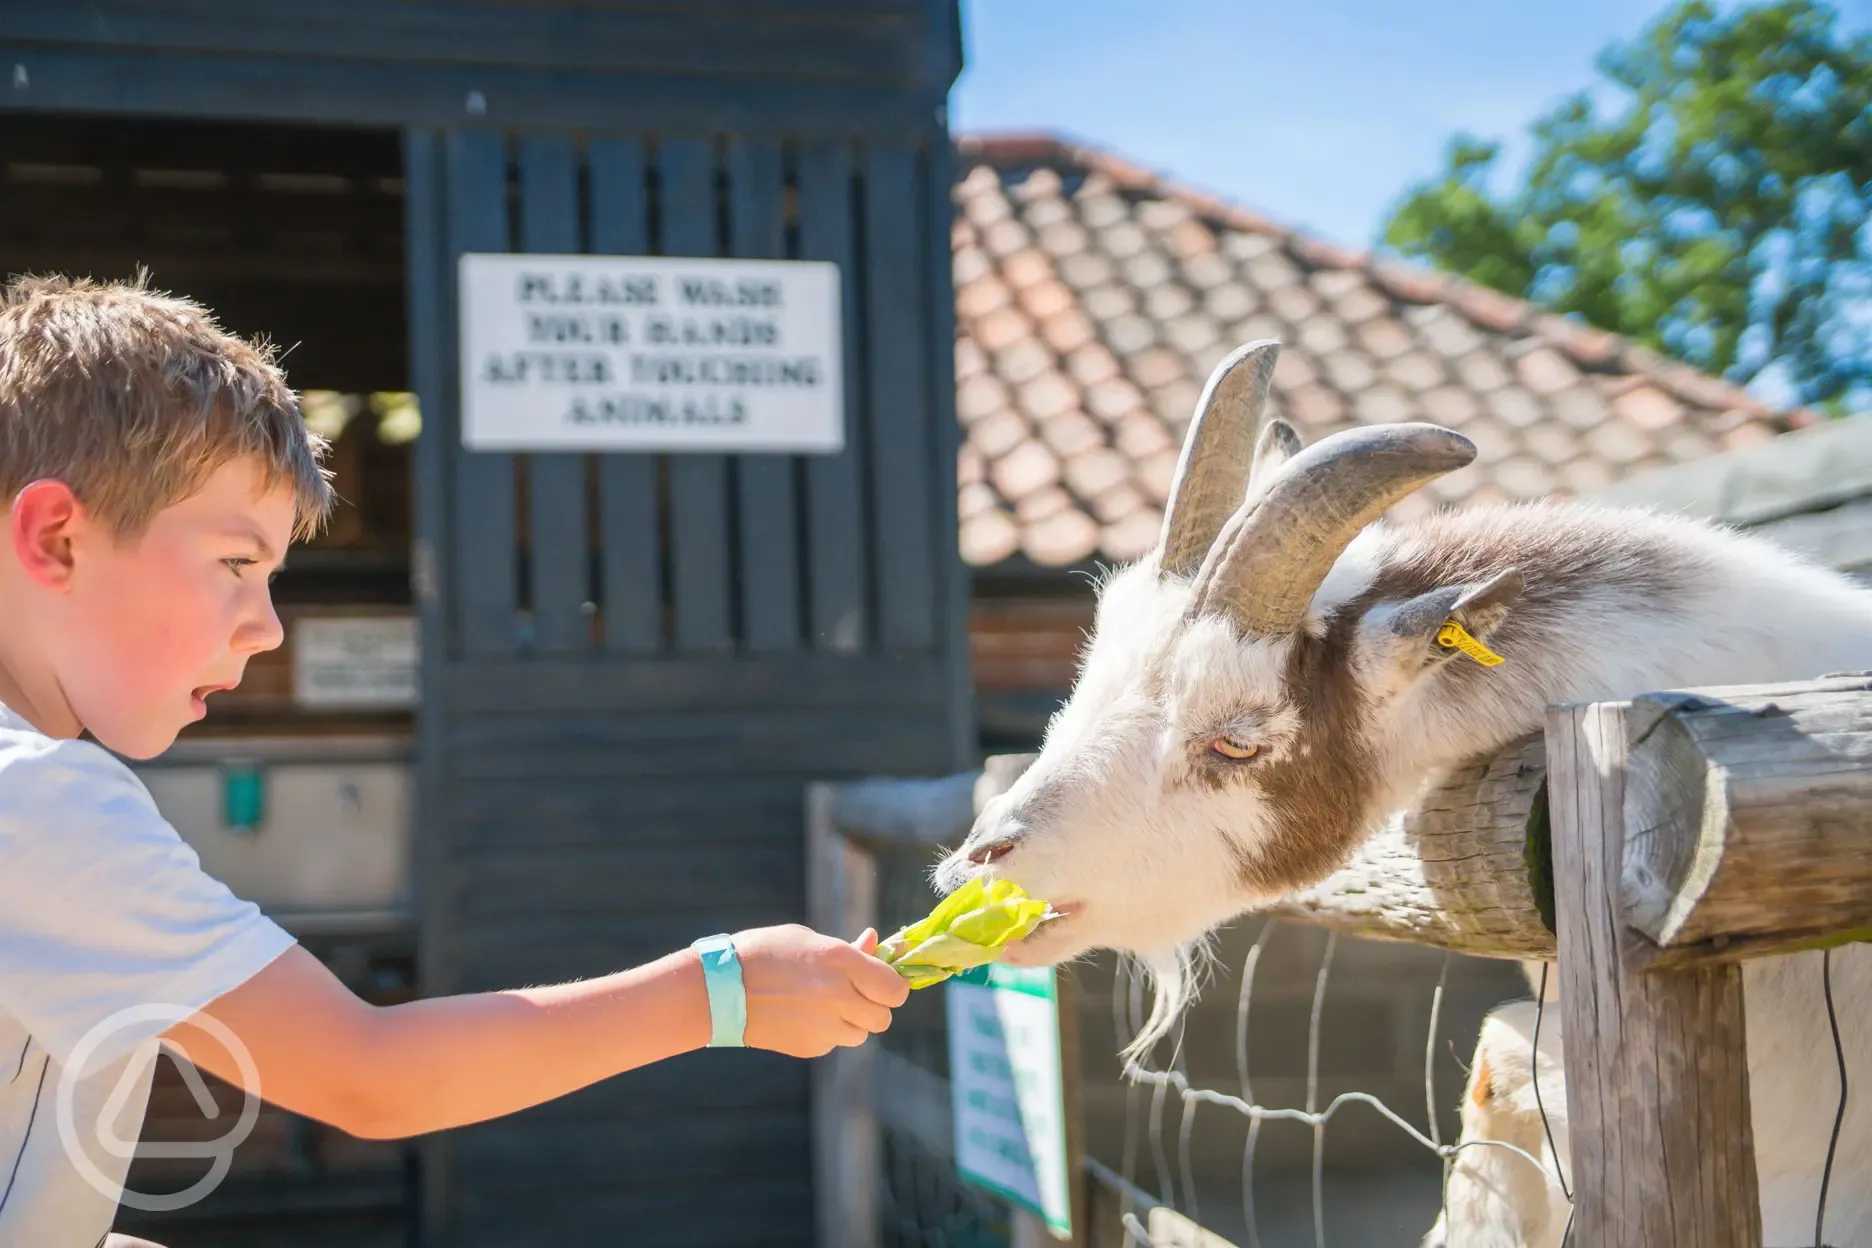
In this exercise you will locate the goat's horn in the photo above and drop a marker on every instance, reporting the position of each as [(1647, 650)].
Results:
[(1278, 443), (1218, 452), (1277, 548)]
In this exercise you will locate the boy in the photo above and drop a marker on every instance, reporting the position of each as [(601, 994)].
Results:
[(154, 470)]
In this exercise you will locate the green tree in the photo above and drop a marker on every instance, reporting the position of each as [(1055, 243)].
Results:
[(1718, 210)]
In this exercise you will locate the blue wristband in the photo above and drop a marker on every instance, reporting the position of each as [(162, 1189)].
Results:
[(727, 995)]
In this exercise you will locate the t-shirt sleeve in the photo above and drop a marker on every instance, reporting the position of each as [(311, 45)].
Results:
[(110, 931)]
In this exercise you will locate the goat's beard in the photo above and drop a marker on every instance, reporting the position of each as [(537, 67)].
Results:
[(1174, 977)]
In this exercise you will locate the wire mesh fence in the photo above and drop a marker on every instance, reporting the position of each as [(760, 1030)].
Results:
[(1162, 1115)]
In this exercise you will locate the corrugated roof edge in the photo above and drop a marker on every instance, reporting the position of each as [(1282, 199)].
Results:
[(1593, 350), (1809, 470)]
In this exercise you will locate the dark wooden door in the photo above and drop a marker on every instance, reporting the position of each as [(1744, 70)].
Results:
[(634, 663)]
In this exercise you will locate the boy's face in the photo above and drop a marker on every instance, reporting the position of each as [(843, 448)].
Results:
[(149, 627)]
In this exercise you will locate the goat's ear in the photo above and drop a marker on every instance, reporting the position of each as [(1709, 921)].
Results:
[(1398, 640)]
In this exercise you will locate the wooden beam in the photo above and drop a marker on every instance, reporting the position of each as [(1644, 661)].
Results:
[(1656, 1062), (1750, 812), (1458, 873)]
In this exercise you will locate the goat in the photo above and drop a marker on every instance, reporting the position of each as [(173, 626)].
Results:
[(1265, 687)]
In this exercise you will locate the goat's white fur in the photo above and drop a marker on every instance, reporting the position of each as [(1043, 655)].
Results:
[(1112, 816)]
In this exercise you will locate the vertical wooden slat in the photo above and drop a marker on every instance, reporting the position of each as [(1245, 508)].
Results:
[(484, 555), (834, 487), (430, 285), (699, 552), (632, 591), (897, 325), (1657, 1082), (556, 537), (769, 582), (953, 576)]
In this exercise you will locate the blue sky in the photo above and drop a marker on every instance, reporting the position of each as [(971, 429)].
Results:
[(1318, 113)]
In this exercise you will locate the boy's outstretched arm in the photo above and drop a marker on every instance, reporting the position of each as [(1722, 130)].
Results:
[(395, 1071)]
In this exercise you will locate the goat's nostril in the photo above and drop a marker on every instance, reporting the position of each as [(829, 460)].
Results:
[(982, 855)]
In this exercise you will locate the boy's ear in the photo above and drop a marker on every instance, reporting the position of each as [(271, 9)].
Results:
[(41, 523), (1398, 640)]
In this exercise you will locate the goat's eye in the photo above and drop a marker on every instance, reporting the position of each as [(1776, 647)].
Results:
[(1232, 747)]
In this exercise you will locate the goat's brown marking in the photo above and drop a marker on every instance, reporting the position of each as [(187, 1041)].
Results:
[(1481, 1083), (1322, 786), (1318, 785)]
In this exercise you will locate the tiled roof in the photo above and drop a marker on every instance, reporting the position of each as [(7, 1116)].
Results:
[(1093, 299)]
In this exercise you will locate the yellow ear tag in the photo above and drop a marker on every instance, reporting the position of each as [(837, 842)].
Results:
[(1453, 636)]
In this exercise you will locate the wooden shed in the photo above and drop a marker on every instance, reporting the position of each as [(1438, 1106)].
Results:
[(630, 663)]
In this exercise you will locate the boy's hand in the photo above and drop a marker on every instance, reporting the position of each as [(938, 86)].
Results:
[(808, 993)]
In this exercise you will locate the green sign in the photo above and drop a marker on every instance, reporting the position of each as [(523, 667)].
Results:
[(1006, 1092)]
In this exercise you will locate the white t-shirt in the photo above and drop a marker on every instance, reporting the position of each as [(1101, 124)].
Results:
[(110, 932)]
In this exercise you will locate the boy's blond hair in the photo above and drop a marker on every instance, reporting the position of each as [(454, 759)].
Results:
[(134, 398)]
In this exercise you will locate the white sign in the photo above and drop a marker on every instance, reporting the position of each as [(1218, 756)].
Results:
[(1006, 1093), (639, 353), (355, 663)]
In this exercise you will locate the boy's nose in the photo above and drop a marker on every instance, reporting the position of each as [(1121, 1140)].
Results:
[(262, 632)]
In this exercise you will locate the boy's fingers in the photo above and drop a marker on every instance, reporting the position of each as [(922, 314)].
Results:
[(867, 942), (879, 982), (869, 1015)]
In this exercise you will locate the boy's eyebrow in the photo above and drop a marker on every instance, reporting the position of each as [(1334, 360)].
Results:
[(258, 538)]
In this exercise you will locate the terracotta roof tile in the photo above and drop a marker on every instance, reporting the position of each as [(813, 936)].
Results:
[(1047, 298), (1091, 364), (1545, 371), (1294, 370), (974, 499), (1207, 269), (1046, 501), (1027, 267), (1384, 338), (1096, 471), (1322, 335), (1073, 433), (1060, 540), (1382, 405), (1114, 504), (1134, 536), (1647, 407), (1086, 270), (1092, 299), (1293, 304), (1482, 369), (1023, 360), (980, 396), (1067, 330), (1230, 301), (1315, 407), (1141, 435), (1417, 371), (1349, 371), (989, 538), (1161, 302), (1026, 469)]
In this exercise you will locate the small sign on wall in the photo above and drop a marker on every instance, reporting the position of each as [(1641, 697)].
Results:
[(640, 353), (1007, 1090), (355, 662)]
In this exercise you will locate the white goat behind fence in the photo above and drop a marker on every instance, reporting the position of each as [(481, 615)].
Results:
[(1285, 670)]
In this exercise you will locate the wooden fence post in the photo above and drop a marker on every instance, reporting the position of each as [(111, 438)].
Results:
[(848, 1160), (1656, 1060)]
